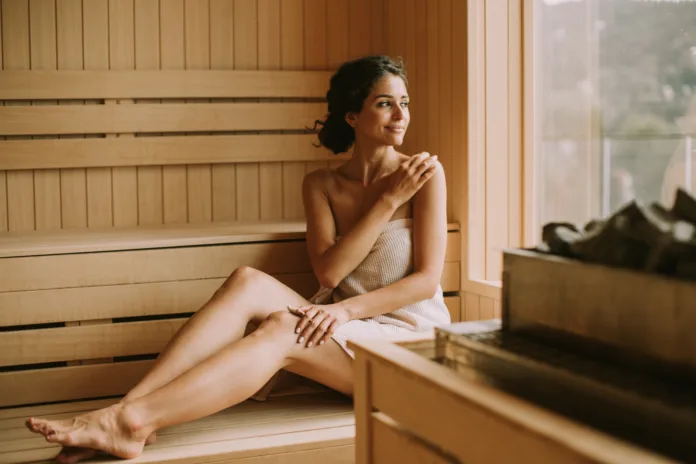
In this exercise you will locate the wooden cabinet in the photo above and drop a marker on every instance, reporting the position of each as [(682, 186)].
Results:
[(411, 408)]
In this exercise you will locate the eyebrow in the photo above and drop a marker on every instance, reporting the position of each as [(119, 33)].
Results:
[(385, 95)]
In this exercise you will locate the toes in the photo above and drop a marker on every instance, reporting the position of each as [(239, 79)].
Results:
[(64, 439)]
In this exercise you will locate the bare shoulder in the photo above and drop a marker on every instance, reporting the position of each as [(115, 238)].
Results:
[(437, 183), (318, 181)]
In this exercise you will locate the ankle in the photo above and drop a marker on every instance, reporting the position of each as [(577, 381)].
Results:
[(132, 420)]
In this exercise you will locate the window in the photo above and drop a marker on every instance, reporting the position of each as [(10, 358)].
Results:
[(612, 85)]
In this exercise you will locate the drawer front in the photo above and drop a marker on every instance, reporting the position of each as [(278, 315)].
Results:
[(392, 443)]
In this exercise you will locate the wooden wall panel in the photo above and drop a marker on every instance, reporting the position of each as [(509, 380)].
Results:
[(478, 307), (95, 18), (223, 34)]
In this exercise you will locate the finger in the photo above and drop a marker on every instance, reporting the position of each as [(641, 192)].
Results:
[(429, 163), (329, 332), (426, 177), (308, 315), (417, 159), (308, 331), (320, 331)]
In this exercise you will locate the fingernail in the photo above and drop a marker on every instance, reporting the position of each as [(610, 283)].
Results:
[(300, 340), (309, 344), (321, 342), (297, 330)]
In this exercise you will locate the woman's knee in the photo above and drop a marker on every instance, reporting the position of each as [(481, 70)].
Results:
[(242, 276), (280, 321)]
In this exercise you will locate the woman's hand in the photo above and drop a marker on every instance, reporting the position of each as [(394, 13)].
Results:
[(318, 323), (411, 175)]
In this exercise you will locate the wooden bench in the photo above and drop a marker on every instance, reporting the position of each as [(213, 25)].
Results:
[(84, 312)]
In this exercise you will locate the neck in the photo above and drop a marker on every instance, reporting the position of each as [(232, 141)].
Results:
[(370, 163)]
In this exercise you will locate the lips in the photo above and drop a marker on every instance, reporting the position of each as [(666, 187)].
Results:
[(395, 128)]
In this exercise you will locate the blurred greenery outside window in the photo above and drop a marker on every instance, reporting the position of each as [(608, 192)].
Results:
[(615, 104)]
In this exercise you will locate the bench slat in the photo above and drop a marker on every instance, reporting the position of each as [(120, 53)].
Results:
[(169, 264), (70, 383), (86, 85), (37, 242), (86, 342), (33, 243), (117, 301), (159, 151), (151, 118), (142, 266)]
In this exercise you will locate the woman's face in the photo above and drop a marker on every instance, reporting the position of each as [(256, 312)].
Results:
[(384, 117)]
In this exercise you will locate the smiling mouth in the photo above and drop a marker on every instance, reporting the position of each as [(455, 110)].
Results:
[(395, 129)]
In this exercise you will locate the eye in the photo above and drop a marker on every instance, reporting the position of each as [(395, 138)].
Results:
[(405, 104), (384, 103)]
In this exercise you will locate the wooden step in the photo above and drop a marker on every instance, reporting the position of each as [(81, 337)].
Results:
[(316, 427)]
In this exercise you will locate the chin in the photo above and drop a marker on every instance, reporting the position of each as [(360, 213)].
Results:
[(394, 141)]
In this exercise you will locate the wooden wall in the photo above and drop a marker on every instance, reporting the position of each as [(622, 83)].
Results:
[(220, 34), (431, 36)]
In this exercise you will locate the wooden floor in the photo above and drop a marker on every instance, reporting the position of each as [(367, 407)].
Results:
[(312, 428)]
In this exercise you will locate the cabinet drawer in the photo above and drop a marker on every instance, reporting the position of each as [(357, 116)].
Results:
[(392, 443)]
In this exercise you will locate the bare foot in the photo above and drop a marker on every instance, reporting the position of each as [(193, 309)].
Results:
[(72, 455), (111, 430)]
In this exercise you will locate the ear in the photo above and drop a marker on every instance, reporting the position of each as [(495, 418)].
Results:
[(352, 119)]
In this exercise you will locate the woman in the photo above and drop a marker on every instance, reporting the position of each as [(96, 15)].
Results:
[(375, 280)]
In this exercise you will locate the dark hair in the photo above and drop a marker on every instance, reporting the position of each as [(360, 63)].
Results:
[(348, 89)]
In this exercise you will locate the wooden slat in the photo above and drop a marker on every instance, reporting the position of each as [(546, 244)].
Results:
[(147, 57), (53, 85), (142, 266), (47, 182), (103, 302), (68, 383), (454, 304), (86, 342), (17, 56), (246, 58), (197, 50), (173, 57), (130, 300), (223, 176), (49, 243), (96, 57), (73, 182), (124, 179), (14, 417), (65, 153), (35, 270)]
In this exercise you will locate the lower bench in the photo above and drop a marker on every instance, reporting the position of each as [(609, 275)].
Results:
[(312, 428)]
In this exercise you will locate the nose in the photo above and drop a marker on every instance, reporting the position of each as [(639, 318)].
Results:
[(398, 113)]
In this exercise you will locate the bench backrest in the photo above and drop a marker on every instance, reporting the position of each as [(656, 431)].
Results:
[(128, 148)]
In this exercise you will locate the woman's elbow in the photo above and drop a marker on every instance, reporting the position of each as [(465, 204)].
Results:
[(326, 280), (429, 286)]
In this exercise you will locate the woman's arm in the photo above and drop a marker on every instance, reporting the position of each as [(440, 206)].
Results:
[(332, 261), (429, 244)]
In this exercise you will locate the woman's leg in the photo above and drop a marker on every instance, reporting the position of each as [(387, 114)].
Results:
[(224, 379), (247, 295)]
